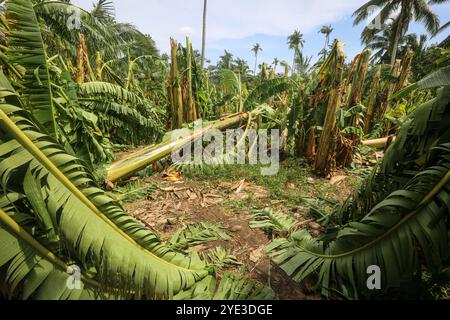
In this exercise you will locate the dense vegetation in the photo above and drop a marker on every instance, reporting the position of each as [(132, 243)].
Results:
[(72, 94)]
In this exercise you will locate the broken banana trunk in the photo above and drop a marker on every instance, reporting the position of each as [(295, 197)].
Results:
[(325, 158), (143, 158)]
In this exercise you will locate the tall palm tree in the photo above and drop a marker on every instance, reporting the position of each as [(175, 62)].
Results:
[(241, 67), (296, 42), (205, 7), (256, 49), (226, 60), (303, 64), (326, 30), (380, 44), (275, 63), (408, 11), (417, 43), (103, 11)]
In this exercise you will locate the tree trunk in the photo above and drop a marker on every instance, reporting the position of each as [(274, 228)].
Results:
[(372, 100), (98, 64), (311, 147), (327, 146), (81, 59), (389, 90), (129, 72), (143, 158), (357, 88), (398, 33), (174, 83), (205, 7), (191, 108), (406, 71), (293, 61)]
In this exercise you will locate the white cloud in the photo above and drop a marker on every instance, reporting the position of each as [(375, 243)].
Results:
[(229, 19), (238, 19), (186, 30)]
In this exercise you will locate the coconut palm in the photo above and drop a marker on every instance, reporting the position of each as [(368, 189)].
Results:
[(296, 43), (205, 7), (104, 11), (417, 44), (256, 49), (326, 30), (275, 63), (303, 64), (241, 66), (408, 11), (380, 44), (225, 61)]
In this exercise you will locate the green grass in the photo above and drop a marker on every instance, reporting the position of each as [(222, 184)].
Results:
[(134, 191), (291, 171), (239, 204)]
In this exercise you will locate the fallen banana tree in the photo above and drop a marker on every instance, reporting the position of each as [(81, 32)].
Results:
[(378, 143), (56, 224), (60, 207), (145, 157)]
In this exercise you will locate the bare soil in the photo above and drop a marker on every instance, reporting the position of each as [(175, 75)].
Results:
[(175, 205)]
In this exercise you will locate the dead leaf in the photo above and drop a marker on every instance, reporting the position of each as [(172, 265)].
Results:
[(170, 175), (192, 195), (200, 248), (210, 195), (109, 185), (171, 221), (337, 179), (291, 186), (240, 186), (303, 223), (257, 255)]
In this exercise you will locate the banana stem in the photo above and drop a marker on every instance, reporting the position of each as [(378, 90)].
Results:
[(43, 251)]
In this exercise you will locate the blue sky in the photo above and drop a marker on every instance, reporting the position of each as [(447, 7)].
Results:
[(235, 25)]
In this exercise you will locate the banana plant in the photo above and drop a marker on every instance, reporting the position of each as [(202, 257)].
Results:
[(234, 89), (143, 158), (26, 48), (398, 220), (327, 144), (51, 195)]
